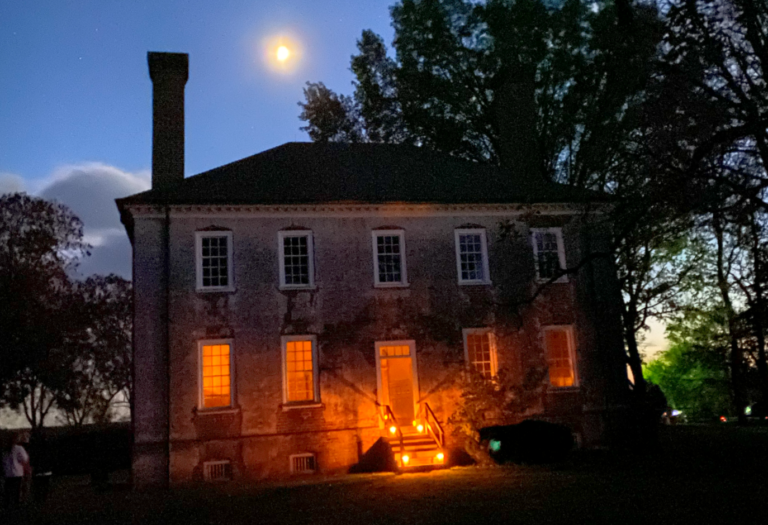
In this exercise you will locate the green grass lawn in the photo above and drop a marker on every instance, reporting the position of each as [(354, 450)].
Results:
[(699, 475)]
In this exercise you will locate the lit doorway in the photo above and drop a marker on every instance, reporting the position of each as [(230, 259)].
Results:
[(397, 378)]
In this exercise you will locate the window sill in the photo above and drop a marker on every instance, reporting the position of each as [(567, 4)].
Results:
[(215, 290), (559, 280), (216, 411), (391, 285), (287, 408), (563, 389), (303, 287), (475, 283)]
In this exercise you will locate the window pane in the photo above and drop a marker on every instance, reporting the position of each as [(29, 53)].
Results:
[(394, 351), (559, 358), (547, 255), (389, 258), (296, 260), (479, 351), (214, 261), (216, 380), (471, 257), (299, 373)]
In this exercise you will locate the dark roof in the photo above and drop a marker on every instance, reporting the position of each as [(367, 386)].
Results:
[(314, 173)]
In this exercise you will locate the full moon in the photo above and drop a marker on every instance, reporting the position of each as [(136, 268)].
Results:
[(283, 53)]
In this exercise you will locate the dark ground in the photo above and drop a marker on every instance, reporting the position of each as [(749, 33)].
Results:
[(701, 475)]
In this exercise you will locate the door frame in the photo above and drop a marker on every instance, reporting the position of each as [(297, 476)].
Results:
[(411, 344)]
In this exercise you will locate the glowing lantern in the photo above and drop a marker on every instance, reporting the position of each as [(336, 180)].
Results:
[(393, 429), (406, 459), (440, 456), (420, 428)]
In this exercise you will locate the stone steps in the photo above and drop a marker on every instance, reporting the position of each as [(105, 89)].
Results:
[(418, 450)]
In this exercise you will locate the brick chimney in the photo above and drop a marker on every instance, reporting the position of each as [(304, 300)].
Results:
[(515, 113), (169, 73)]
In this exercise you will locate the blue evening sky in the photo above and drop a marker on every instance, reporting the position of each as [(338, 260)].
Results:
[(74, 85), (76, 98)]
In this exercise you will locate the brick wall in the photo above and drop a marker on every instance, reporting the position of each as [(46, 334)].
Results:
[(347, 315)]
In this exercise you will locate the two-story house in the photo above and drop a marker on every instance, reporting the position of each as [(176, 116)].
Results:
[(296, 307)]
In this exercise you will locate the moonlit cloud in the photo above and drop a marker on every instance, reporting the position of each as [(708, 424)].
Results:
[(10, 183), (90, 190)]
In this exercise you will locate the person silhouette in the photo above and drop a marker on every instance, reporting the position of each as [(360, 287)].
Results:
[(15, 468)]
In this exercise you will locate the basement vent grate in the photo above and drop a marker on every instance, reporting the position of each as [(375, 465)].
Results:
[(217, 470), (303, 464)]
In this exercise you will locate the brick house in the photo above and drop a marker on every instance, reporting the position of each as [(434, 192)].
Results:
[(296, 308)]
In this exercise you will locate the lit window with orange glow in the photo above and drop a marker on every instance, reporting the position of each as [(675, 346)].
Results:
[(300, 379), (559, 350), (216, 374), (480, 351), (395, 351)]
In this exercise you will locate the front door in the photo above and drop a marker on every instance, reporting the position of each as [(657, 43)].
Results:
[(397, 379)]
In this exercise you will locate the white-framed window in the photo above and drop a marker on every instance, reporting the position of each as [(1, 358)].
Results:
[(561, 356), (303, 463), (480, 351), (297, 265), (216, 373), (548, 253), (300, 377), (213, 259), (389, 267), (472, 256)]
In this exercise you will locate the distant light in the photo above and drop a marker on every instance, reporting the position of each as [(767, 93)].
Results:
[(420, 428), (723, 419), (676, 413), (440, 456), (393, 429), (406, 459), (494, 445), (283, 53), (748, 411)]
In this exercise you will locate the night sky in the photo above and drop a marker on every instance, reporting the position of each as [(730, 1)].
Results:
[(76, 98)]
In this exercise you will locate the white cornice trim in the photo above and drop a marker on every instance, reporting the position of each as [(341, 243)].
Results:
[(363, 210)]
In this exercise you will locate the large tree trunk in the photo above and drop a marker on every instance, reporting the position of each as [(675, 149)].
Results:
[(737, 359), (759, 309), (633, 352)]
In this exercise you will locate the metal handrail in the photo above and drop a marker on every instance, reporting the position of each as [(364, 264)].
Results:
[(389, 419), (433, 425)]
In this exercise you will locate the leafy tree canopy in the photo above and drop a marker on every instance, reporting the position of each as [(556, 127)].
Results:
[(452, 58), (693, 372), (40, 242), (99, 350)]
